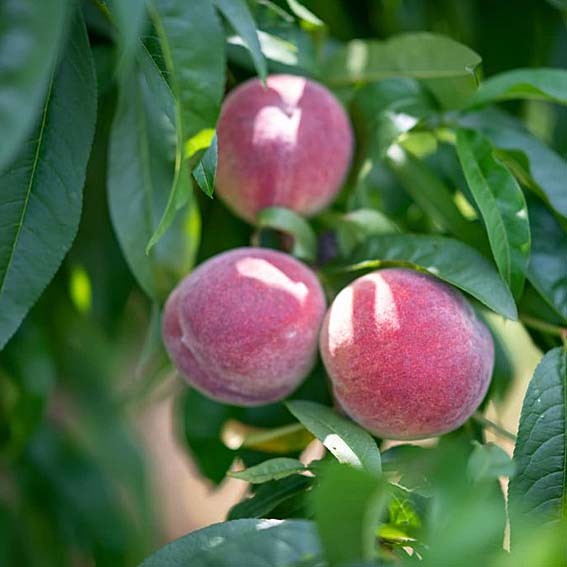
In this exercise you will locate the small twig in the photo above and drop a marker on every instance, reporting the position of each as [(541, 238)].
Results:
[(543, 326), (487, 423)]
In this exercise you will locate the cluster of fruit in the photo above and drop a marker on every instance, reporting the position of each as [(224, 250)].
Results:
[(406, 355)]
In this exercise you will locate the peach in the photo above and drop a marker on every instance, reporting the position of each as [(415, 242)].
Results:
[(288, 144), (406, 354), (243, 327)]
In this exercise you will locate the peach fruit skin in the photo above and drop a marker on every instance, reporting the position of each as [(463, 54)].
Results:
[(288, 144), (406, 354), (243, 327)]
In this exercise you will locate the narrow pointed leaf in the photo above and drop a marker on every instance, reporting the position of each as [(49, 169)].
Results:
[(501, 204), (535, 84), (238, 15), (41, 190), (141, 169), (535, 164), (272, 469), (206, 170), (31, 34), (547, 271), (192, 43), (448, 259), (431, 195), (348, 442), (308, 18)]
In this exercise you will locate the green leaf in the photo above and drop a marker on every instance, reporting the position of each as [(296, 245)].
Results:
[(140, 172), (202, 422), (269, 496), (348, 506), (448, 259), (398, 95), (540, 485), (279, 440), (192, 44), (504, 371), (240, 18), (501, 204), (285, 220), (534, 163), (130, 18), (431, 194), (448, 68), (258, 543), (489, 462), (31, 34), (308, 18), (286, 47), (345, 440), (354, 227), (533, 84), (273, 469), (205, 171), (547, 271), (41, 191)]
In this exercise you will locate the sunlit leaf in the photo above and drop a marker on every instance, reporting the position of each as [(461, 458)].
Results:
[(240, 18), (346, 441), (501, 204), (447, 67), (534, 163), (448, 259)]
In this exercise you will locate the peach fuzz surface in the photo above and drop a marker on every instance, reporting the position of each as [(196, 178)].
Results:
[(243, 327), (406, 354), (286, 144)]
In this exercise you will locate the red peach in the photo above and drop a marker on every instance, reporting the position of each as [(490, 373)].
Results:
[(406, 354), (243, 327), (288, 144)]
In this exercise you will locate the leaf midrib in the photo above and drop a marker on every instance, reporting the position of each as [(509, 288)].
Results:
[(168, 58), (31, 182), (145, 157)]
